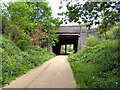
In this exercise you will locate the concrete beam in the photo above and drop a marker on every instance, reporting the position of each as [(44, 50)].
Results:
[(69, 29), (70, 34)]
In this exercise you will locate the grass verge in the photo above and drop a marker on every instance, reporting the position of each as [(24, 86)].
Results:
[(98, 66)]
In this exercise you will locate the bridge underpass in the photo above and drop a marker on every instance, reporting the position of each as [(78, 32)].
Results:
[(75, 35), (65, 40)]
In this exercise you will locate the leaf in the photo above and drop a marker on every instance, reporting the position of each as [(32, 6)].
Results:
[(60, 7)]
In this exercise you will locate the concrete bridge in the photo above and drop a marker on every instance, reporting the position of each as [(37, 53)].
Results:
[(75, 35)]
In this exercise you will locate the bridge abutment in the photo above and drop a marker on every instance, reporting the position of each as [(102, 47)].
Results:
[(79, 43), (83, 36)]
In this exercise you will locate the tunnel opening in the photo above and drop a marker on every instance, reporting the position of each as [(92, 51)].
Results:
[(66, 49), (66, 40)]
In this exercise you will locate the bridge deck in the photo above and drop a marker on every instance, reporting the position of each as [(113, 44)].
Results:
[(69, 30)]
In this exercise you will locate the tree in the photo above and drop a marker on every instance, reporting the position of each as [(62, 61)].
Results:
[(38, 36), (102, 13), (42, 15), (27, 15), (18, 13)]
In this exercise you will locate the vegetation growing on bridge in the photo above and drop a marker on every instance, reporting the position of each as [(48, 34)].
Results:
[(97, 66)]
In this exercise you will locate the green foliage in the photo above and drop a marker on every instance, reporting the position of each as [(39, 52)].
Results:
[(22, 40), (20, 37), (62, 49), (16, 62), (42, 15), (18, 13), (24, 16), (108, 35), (91, 41), (116, 32), (70, 48), (18, 21), (97, 67), (91, 12)]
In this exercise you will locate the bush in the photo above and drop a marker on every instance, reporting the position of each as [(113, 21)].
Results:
[(16, 62), (116, 32), (97, 67), (22, 40), (91, 41), (108, 35), (18, 36)]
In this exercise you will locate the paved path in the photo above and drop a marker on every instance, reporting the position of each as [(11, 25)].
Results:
[(55, 73)]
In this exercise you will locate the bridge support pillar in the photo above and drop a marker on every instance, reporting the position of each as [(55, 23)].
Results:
[(83, 36), (65, 49), (79, 43)]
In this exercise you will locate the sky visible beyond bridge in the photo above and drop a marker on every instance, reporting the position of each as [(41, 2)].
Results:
[(55, 8)]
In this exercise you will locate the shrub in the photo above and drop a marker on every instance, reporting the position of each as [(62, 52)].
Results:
[(108, 35), (116, 32), (16, 62), (91, 41), (97, 67), (22, 40)]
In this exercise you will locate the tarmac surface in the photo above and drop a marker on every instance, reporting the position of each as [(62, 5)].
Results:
[(55, 73)]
